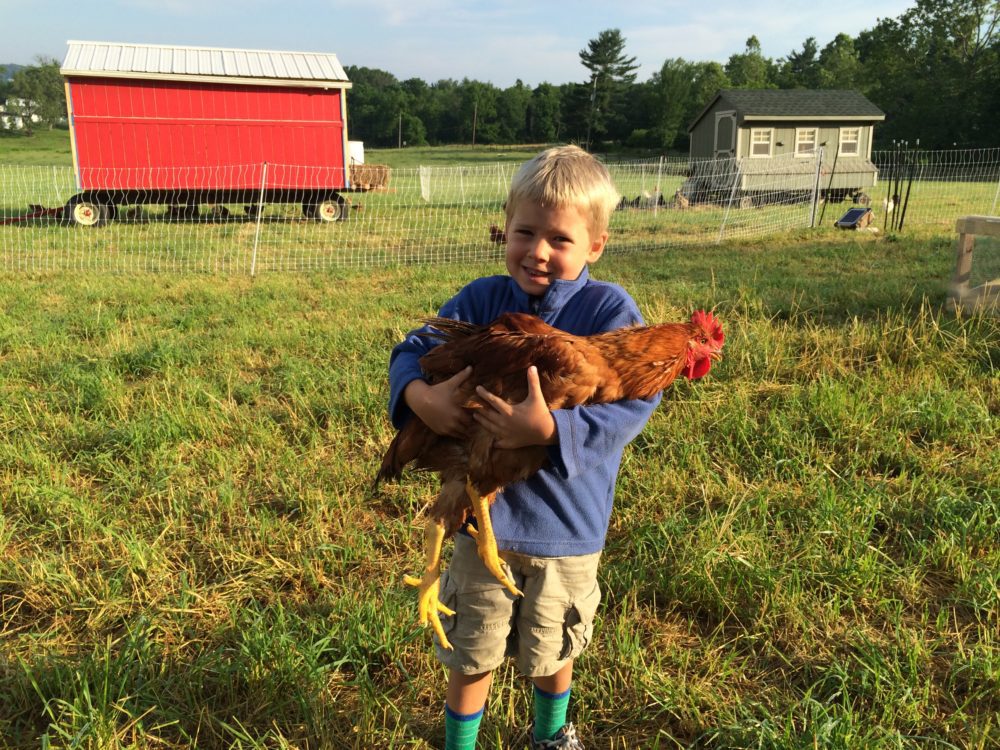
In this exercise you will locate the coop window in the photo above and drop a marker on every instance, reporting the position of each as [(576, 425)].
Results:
[(761, 140), (850, 141), (805, 141)]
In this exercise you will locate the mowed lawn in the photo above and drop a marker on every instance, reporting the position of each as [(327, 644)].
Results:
[(804, 551)]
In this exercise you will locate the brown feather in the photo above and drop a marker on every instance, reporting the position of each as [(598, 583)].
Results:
[(627, 363)]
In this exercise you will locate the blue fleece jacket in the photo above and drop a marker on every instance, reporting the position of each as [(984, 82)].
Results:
[(563, 509)]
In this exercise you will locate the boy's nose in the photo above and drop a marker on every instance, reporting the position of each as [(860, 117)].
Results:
[(540, 250)]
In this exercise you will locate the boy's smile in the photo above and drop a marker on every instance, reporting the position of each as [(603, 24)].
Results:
[(545, 243)]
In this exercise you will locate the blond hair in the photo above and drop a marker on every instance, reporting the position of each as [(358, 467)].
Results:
[(566, 176)]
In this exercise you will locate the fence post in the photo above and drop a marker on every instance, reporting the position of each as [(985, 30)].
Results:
[(732, 197), (55, 182), (996, 197), (260, 213), (658, 193), (815, 198)]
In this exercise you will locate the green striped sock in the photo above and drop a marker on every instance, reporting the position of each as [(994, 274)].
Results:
[(461, 730), (550, 713)]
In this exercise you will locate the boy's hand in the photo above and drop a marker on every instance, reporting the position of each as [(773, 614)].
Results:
[(518, 425), (438, 405)]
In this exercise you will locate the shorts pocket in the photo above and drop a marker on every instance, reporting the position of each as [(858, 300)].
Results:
[(578, 627), (448, 596)]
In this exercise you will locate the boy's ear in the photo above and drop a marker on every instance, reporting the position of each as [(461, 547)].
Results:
[(597, 247)]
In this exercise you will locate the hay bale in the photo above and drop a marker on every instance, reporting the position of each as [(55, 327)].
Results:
[(370, 176)]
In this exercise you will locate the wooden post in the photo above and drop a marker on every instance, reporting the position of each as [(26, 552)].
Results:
[(986, 295)]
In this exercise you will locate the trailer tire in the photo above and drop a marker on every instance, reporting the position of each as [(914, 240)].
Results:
[(85, 212), (329, 209)]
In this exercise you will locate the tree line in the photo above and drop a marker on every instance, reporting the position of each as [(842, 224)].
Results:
[(934, 71)]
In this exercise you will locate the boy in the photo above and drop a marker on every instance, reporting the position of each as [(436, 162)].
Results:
[(551, 527)]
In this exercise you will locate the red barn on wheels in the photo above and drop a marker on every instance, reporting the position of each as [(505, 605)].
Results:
[(186, 126)]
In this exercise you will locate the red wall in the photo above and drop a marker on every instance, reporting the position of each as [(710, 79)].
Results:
[(171, 134)]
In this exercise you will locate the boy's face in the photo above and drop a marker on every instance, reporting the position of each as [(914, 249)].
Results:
[(547, 243)]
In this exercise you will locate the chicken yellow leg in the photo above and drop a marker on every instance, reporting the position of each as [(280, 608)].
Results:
[(429, 605), (486, 541)]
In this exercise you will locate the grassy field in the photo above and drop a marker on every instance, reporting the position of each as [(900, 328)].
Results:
[(805, 550), (52, 148)]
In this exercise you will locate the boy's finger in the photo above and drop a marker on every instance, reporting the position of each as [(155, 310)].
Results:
[(534, 384), (461, 375)]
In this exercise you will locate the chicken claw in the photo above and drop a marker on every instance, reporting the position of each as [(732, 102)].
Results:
[(429, 606), (486, 541)]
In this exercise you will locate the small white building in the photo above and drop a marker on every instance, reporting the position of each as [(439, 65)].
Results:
[(10, 113)]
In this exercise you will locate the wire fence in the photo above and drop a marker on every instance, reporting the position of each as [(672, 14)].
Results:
[(269, 217)]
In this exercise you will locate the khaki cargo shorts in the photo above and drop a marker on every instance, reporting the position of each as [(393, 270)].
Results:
[(544, 629)]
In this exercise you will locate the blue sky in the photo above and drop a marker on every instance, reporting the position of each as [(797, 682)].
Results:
[(498, 41)]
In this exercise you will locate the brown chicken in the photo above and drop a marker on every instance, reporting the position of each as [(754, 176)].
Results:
[(628, 363)]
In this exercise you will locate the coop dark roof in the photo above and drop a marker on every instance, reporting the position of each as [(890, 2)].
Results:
[(794, 104)]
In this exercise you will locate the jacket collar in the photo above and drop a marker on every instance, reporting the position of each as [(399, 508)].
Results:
[(555, 297)]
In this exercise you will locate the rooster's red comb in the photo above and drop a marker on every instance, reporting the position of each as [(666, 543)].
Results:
[(709, 323)]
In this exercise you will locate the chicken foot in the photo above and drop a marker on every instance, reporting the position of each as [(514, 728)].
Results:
[(429, 606), (486, 541)]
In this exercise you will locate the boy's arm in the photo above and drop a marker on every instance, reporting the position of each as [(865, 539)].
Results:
[(439, 406), (518, 425), (409, 392), (579, 437), (589, 434)]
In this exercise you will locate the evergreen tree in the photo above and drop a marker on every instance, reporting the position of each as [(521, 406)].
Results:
[(610, 73), (800, 70)]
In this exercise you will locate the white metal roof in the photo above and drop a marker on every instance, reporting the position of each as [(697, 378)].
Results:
[(172, 62)]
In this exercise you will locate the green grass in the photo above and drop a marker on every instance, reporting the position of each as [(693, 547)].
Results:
[(804, 551), (42, 148)]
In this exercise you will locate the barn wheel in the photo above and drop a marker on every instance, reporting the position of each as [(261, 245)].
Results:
[(333, 208), (85, 212), (863, 199), (746, 201)]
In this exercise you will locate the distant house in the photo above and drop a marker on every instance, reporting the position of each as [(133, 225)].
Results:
[(769, 130), (11, 117)]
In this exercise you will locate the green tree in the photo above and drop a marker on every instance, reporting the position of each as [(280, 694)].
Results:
[(446, 103), (5, 84), (674, 86), (750, 69), (544, 114), (478, 113), (36, 93), (934, 70), (611, 72), (839, 65), (800, 70), (512, 113)]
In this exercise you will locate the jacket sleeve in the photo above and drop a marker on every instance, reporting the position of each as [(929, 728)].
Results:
[(404, 361), (590, 435)]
